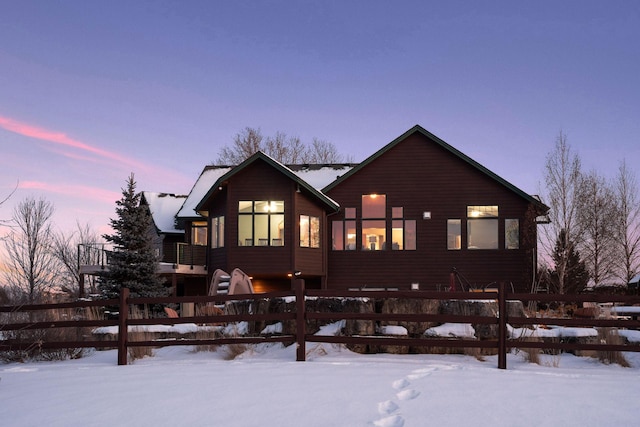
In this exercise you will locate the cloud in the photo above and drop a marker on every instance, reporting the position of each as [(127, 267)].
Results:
[(79, 191), (58, 138), (64, 145)]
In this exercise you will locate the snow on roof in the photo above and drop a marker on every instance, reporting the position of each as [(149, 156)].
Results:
[(319, 176), (635, 279), (205, 181), (163, 209)]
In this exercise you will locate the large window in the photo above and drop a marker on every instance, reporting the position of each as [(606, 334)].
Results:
[(374, 227), (199, 233), (261, 223), (309, 231), (482, 227), (217, 232)]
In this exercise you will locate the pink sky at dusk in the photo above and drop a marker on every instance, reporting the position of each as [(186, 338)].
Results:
[(92, 92)]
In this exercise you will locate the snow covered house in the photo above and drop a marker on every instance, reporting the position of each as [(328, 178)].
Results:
[(413, 212)]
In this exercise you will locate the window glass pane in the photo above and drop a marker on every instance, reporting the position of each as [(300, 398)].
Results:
[(350, 227), (277, 229), (221, 232), (397, 212), (373, 235), (482, 211), (482, 234), (245, 207), (304, 231), (215, 232), (349, 213), (337, 235), (511, 234), (315, 232), (410, 235), (245, 230), (374, 205), (261, 230), (397, 235), (276, 206), (262, 206), (454, 234)]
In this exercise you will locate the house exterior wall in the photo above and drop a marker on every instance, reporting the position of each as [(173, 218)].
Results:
[(422, 176), (270, 266)]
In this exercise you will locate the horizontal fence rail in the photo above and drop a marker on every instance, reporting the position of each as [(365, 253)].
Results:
[(32, 317)]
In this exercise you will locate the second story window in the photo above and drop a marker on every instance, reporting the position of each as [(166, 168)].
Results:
[(199, 233), (261, 223)]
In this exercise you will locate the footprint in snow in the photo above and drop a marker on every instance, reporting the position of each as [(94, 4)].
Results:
[(400, 384), (387, 407), (420, 373), (408, 394), (392, 421)]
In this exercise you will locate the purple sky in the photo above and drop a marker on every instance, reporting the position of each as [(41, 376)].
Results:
[(92, 91)]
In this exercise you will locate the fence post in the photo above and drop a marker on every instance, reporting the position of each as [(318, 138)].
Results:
[(123, 315), (502, 326), (301, 349)]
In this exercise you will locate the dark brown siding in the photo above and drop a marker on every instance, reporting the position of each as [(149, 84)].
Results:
[(419, 175), (269, 266)]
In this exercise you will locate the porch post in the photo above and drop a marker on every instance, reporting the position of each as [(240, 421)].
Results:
[(502, 326), (123, 315), (301, 350)]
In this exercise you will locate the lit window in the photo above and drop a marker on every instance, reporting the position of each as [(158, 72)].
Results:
[(199, 233), (261, 223), (403, 232), (374, 205), (482, 227), (309, 231), (340, 230), (454, 234)]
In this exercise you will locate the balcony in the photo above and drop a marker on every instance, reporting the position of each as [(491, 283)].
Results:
[(179, 258)]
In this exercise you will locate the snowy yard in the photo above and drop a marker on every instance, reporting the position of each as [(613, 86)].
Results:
[(335, 387)]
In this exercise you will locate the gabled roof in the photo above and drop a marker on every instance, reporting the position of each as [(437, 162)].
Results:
[(420, 130), (276, 165), (205, 182), (163, 208)]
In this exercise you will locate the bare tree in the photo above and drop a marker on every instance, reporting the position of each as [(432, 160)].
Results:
[(287, 150), (245, 144), (597, 215), (628, 237), (324, 152), (562, 177), (31, 266), (74, 250)]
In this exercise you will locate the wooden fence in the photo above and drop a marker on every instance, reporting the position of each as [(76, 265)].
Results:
[(501, 345)]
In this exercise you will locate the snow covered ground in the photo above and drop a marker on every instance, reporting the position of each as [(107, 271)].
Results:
[(335, 387)]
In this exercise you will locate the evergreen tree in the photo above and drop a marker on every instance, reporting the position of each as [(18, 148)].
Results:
[(133, 263), (576, 276)]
